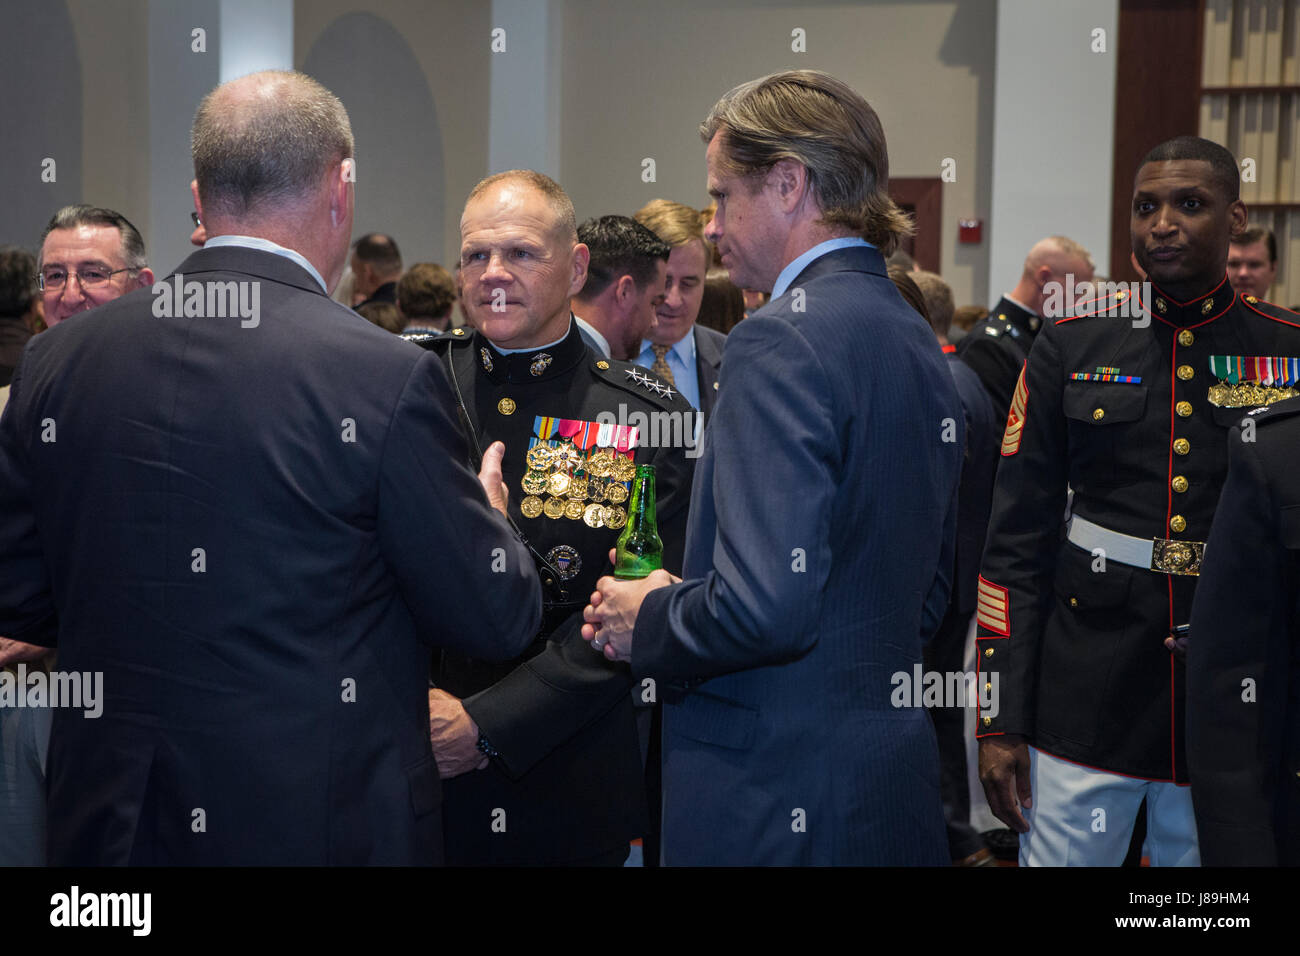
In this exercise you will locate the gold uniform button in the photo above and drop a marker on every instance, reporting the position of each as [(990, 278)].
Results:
[(1074, 602), (988, 721), (506, 406), (988, 652), (1182, 446), (1184, 409), (1179, 484), (1098, 414), (1178, 524), (602, 365), (458, 331), (1185, 337), (1185, 372), (988, 686)]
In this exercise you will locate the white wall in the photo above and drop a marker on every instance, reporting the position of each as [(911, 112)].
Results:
[(639, 77)]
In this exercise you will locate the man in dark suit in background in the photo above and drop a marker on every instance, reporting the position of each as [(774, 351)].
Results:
[(947, 652), (234, 521), (998, 345), (615, 309), (677, 350), (1243, 672), (823, 564), (376, 269)]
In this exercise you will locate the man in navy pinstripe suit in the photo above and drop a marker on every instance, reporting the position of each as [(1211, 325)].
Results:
[(820, 544)]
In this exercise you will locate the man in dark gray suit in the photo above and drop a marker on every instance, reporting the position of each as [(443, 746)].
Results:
[(823, 562), (245, 507)]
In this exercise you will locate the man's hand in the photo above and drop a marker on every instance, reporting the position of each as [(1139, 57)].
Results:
[(489, 476), (11, 652), (454, 735), (611, 615), (1004, 771)]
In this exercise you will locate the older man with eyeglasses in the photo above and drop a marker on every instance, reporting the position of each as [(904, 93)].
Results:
[(89, 256)]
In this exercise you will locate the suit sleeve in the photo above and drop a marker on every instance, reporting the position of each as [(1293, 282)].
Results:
[(551, 697), (27, 611), (1239, 640), (1020, 550), (469, 582), (775, 460)]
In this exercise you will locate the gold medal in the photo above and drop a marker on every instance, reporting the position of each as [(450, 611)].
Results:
[(596, 489), (553, 508), (601, 463), (531, 506), (539, 457), (578, 489), (617, 493), (594, 516), (534, 482), (573, 509), (558, 483), (624, 470), (615, 517)]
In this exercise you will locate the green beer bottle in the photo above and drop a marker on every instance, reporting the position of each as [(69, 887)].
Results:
[(640, 549)]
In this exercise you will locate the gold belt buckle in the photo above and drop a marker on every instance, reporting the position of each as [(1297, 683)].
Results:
[(1177, 557)]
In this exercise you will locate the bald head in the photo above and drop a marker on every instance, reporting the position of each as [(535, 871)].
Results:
[(266, 141), (1051, 260), (1059, 253)]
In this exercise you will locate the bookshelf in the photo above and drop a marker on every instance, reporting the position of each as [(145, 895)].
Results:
[(1250, 102)]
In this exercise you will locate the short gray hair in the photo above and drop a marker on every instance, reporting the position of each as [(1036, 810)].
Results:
[(566, 220), (267, 150), (70, 217)]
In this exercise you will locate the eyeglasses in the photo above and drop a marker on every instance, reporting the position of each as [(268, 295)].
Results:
[(90, 277)]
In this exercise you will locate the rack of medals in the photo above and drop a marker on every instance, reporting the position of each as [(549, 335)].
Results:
[(563, 481)]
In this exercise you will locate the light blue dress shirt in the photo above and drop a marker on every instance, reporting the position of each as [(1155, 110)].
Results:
[(681, 362), (791, 271)]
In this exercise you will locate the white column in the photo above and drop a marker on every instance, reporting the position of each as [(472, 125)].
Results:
[(524, 115), (1053, 130), (179, 76), (255, 35)]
